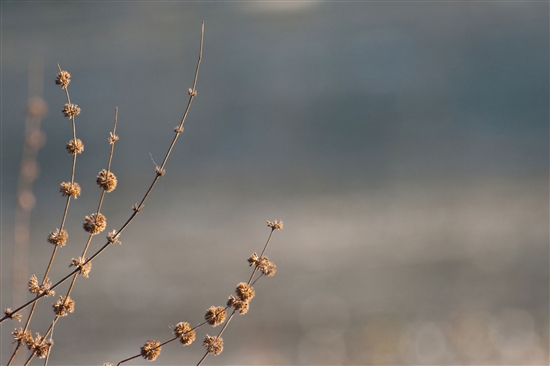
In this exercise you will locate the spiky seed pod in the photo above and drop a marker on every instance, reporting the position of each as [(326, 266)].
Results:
[(75, 146), (71, 110), (244, 291), (63, 79), (113, 238), (58, 237), (183, 331), (213, 344), (106, 180), (37, 289), (62, 307), (215, 315), (253, 259), (268, 268), (275, 225), (21, 337), (34, 287), (70, 189), (150, 350), (84, 268), (112, 138), (10, 314), (38, 345), (239, 305), (95, 223)]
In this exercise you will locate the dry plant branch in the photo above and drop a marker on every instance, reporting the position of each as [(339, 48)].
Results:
[(216, 315), (160, 171), (42, 345)]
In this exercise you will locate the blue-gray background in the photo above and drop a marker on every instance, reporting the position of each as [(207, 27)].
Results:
[(403, 144)]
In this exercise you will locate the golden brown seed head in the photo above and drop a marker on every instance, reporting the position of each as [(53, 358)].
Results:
[(84, 268), (244, 291), (20, 336), (70, 189), (37, 289), (58, 237), (95, 223), (75, 146), (63, 79), (63, 307), (183, 331), (253, 259), (268, 268), (213, 344), (39, 346), (275, 225), (71, 110), (113, 238), (215, 315), (150, 350), (106, 180), (112, 138), (239, 305), (12, 315)]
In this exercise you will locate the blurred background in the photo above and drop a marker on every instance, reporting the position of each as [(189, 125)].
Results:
[(403, 144)]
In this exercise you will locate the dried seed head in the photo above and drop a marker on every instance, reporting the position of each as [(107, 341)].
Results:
[(183, 331), (37, 289), (160, 171), (75, 146), (213, 344), (178, 129), (12, 315), (39, 345), (71, 110), (95, 223), (192, 92), (215, 315), (70, 189), (136, 207), (239, 305), (113, 238), (150, 350), (112, 138), (63, 79), (58, 237), (84, 268), (244, 291), (63, 307), (275, 225), (268, 268), (253, 259), (106, 180), (21, 336)]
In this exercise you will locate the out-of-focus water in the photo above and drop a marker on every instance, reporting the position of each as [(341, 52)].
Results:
[(404, 145)]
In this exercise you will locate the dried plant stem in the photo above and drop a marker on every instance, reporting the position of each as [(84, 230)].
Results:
[(137, 208), (71, 286), (207, 321), (64, 217), (219, 335), (261, 255)]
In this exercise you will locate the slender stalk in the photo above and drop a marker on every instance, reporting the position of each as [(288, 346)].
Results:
[(138, 207)]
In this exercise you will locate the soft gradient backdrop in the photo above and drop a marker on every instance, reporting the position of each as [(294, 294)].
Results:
[(403, 144)]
